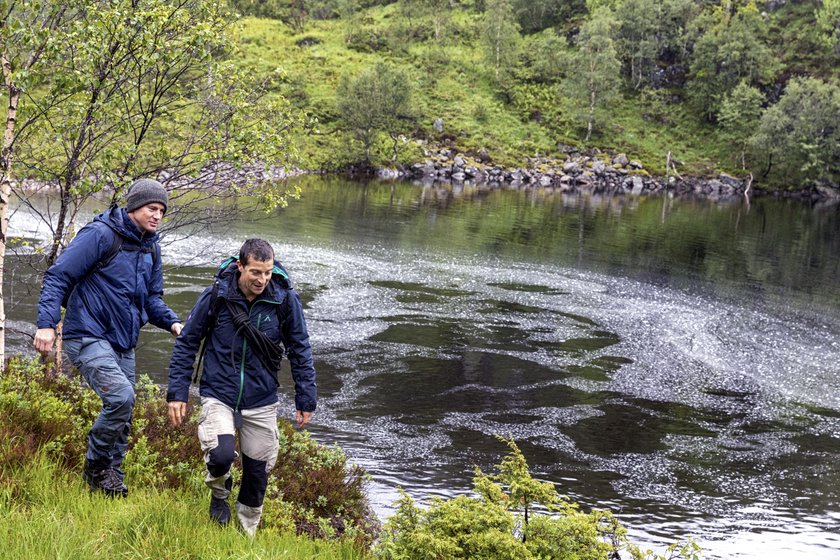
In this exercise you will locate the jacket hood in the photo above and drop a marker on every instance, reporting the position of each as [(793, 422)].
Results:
[(118, 220)]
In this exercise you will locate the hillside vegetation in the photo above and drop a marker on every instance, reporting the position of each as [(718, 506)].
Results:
[(740, 86)]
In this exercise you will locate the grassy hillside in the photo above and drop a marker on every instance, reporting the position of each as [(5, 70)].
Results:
[(512, 121)]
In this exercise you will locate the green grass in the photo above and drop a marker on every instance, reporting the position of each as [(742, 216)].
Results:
[(454, 83), (46, 512)]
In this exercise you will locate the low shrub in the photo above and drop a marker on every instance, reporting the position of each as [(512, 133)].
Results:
[(327, 495), (159, 454), (43, 409), (512, 516)]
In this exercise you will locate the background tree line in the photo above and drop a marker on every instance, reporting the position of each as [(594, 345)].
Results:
[(759, 81)]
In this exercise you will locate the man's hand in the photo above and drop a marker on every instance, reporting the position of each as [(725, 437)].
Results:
[(44, 339), (302, 418), (175, 329), (177, 411)]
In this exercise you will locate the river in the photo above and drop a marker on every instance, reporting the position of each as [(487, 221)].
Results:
[(675, 361)]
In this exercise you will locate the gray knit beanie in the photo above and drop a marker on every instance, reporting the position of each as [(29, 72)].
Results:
[(143, 192)]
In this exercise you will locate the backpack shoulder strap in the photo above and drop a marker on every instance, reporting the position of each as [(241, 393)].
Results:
[(116, 246), (212, 314), (113, 250)]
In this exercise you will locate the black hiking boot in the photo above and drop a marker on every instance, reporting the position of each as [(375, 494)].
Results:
[(219, 510), (105, 480)]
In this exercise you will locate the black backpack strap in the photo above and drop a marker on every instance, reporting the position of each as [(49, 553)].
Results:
[(269, 351), (209, 323), (153, 249), (212, 313)]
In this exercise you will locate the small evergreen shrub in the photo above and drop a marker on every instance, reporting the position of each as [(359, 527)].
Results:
[(501, 523)]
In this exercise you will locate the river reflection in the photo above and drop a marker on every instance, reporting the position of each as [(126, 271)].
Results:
[(675, 361)]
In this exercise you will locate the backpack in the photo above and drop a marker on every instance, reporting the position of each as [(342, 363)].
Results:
[(265, 349), (113, 251)]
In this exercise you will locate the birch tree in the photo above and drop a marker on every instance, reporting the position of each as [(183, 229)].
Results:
[(132, 88), (27, 49), (597, 67), (739, 116), (501, 37)]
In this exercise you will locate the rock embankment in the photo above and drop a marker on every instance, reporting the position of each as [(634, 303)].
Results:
[(596, 173)]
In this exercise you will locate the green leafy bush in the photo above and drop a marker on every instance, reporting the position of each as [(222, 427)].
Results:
[(160, 455), (500, 523), (326, 494), (40, 408)]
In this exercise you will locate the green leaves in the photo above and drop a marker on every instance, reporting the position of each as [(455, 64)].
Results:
[(595, 80), (501, 38), (739, 115), (731, 48), (828, 22), (490, 527), (800, 135), (373, 101)]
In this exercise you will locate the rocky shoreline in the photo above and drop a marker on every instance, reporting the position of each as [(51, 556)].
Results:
[(596, 173)]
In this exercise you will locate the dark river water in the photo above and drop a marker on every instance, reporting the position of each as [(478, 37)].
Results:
[(674, 361)]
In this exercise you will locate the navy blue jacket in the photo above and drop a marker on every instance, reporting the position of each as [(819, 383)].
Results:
[(232, 372), (113, 302)]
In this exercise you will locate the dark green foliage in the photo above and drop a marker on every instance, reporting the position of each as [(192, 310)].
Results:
[(828, 23), (500, 35), (536, 15), (730, 49), (367, 39), (547, 57), (799, 137), (490, 526), (40, 408), (375, 101), (327, 493), (594, 84), (158, 454), (650, 35), (739, 116)]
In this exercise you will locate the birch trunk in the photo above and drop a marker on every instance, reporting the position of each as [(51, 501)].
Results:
[(6, 190)]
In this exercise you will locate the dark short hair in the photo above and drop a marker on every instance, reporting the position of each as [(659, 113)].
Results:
[(257, 249)]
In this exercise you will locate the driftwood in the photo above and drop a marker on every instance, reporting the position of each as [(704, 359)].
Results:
[(671, 166)]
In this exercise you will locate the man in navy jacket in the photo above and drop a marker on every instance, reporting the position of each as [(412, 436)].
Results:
[(238, 384), (110, 279)]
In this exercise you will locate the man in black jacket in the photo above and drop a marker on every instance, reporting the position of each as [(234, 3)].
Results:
[(246, 319)]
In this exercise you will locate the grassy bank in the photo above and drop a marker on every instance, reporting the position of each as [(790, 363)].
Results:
[(46, 512)]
